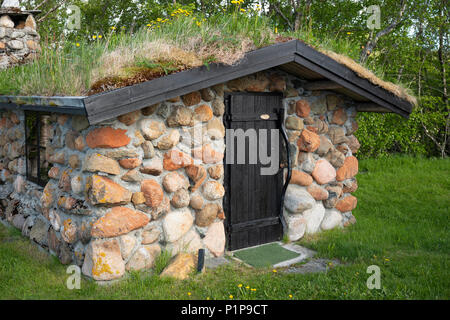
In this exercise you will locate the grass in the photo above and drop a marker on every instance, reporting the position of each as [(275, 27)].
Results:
[(168, 45), (403, 227)]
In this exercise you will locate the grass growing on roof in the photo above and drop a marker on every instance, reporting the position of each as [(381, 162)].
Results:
[(402, 227), (181, 41)]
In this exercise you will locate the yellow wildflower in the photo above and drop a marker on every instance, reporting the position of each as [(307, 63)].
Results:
[(113, 28), (100, 36), (276, 30), (274, 271), (77, 44), (189, 293), (247, 287), (231, 296), (242, 10), (94, 37), (253, 289), (290, 296), (240, 285)]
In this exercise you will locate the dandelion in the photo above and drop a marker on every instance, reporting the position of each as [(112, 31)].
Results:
[(77, 44), (387, 260), (290, 296), (159, 19), (189, 293), (276, 30), (274, 271), (198, 23), (94, 37), (113, 28), (240, 285), (100, 36), (349, 32), (242, 10), (253, 289), (247, 287), (231, 296), (207, 298)]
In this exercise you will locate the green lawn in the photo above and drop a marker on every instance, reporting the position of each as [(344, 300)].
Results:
[(403, 227)]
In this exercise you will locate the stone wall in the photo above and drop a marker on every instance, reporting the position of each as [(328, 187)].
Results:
[(123, 190), (19, 41)]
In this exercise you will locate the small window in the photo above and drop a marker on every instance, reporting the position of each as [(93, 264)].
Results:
[(36, 132)]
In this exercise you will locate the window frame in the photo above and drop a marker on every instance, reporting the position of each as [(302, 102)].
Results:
[(38, 179)]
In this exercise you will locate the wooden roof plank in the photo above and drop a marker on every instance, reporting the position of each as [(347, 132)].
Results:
[(139, 96), (350, 86), (114, 103), (344, 72)]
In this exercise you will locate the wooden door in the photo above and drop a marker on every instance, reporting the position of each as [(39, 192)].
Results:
[(252, 200)]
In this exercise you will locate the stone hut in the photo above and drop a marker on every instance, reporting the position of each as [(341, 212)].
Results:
[(215, 158), (19, 40)]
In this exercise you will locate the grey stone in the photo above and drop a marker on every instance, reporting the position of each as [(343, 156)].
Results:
[(332, 219), (313, 266), (39, 231), (313, 218), (15, 44), (79, 123), (215, 262), (297, 199)]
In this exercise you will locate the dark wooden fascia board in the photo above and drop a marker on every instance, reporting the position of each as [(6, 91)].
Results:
[(343, 72), (26, 107), (65, 105), (111, 104), (114, 103)]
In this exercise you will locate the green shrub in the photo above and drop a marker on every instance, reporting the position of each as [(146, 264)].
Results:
[(382, 134)]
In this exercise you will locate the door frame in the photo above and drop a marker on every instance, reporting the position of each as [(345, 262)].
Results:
[(227, 184)]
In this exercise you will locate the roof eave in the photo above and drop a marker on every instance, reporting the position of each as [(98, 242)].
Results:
[(66, 105)]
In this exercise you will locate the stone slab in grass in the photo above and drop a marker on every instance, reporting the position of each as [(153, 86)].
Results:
[(265, 255)]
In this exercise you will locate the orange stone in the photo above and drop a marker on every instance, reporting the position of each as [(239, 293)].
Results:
[(353, 144), (203, 113), (308, 141), (107, 137), (318, 193), (153, 193), (300, 178), (101, 190), (207, 154), (174, 160), (130, 163), (192, 98), (323, 172), (348, 170), (347, 204), (118, 221), (129, 118), (339, 117), (302, 108)]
